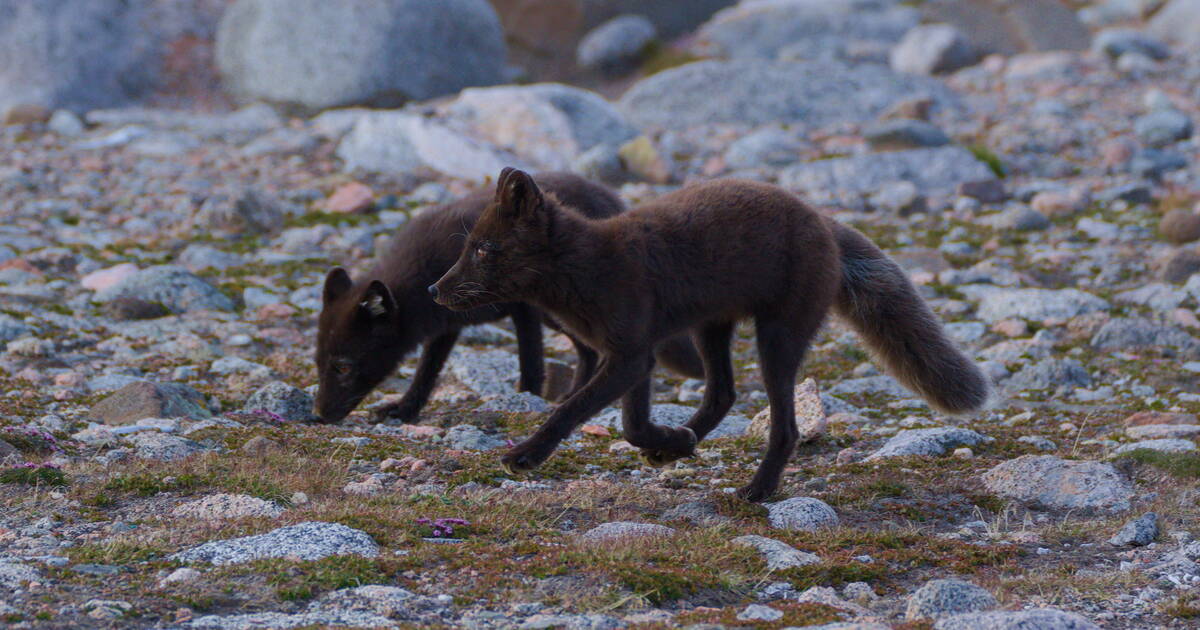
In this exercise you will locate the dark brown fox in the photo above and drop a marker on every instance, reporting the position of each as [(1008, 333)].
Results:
[(699, 259), (367, 327)]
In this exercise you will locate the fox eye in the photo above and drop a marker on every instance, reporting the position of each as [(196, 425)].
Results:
[(484, 250), (342, 367)]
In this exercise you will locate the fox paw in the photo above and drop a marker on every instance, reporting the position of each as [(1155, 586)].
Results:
[(686, 447), (401, 411), (523, 458)]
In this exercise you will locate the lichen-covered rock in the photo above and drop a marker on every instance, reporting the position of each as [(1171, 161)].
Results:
[(619, 530), (176, 288), (308, 541), (801, 514), (939, 598), (279, 398), (145, 399), (1052, 483), (928, 442)]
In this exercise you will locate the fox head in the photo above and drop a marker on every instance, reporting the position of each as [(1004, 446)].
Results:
[(508, 250), (359, 343)]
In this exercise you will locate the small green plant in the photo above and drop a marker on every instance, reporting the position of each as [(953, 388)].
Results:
[(1185, 464)]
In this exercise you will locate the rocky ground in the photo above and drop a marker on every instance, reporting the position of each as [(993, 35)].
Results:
[(160, 275)]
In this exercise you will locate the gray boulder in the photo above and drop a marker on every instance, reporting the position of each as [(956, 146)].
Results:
[(617, 45), (144, 399), (618, 530), (805, 29), (932, 49), (904, 133), (1115, 42), (1047, 482), (315, 54), (1008, 27), (1037, 304), (312, 540), (928, 442), (548, 124), (162, 447), (817, 93), (848, 180), (1050, 373), (74, 55), (1176, 22), (673, 415), (1162, 445), (801, 514), (1139, 532), (279, 398), (174, 287), (470, 438), (404, 143), (1135, 333), (1038, 619), (939, 598), (1163, 127)]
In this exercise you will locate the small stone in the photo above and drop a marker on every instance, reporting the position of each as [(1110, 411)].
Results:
[(810, 414), (162, 447), (1116, 42), (940, 598), (1180, 226), (620, 530), (1165, 445), (779, 555), (932, 49), (351, 198), (1159, 417), (985, 190), (904, 134), (801, 514), (106, 278), (617, 45), (1163, 127), (928, 442), (65, 123), (1039, 619), (963, 453), (132, 309), (1139, 532), (26, 114), (759, 612), (467, 437), (180, 576), (1057, 203)]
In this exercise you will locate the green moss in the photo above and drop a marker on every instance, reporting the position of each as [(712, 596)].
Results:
[(1185, 465), (116, 552), (305, 580), (988, 157)]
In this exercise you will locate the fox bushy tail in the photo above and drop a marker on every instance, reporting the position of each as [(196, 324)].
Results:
[(883, 307)]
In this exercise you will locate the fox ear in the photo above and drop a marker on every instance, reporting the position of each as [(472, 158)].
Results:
[(504, 173), (377, 301), (337, 284), (518, 195)]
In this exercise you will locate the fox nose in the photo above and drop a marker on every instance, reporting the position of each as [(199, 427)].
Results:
[(433, 291)]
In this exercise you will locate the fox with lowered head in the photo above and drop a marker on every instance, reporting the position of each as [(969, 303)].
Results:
[(699, 260), (368, 326)]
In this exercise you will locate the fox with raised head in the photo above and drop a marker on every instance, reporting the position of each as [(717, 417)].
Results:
[(699, 260)]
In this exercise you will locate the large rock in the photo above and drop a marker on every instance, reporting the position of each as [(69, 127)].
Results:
[(1037, 619), (278, 398), (74, 55), (805, 29), (620, 530), (1008, 27), (1135, 333), (1053, 372), (163, 447), (1162, 445), (1177, 21), (928, 442), (940, 598), (144, 399), (315, 54), (1037, 304), (1052, 483), (801, 514), (1139, 532), (225, 506), (404, 143), (175, 288), (548, 124), (371, 606), (851, 180), (816, 93), (307, 541)]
